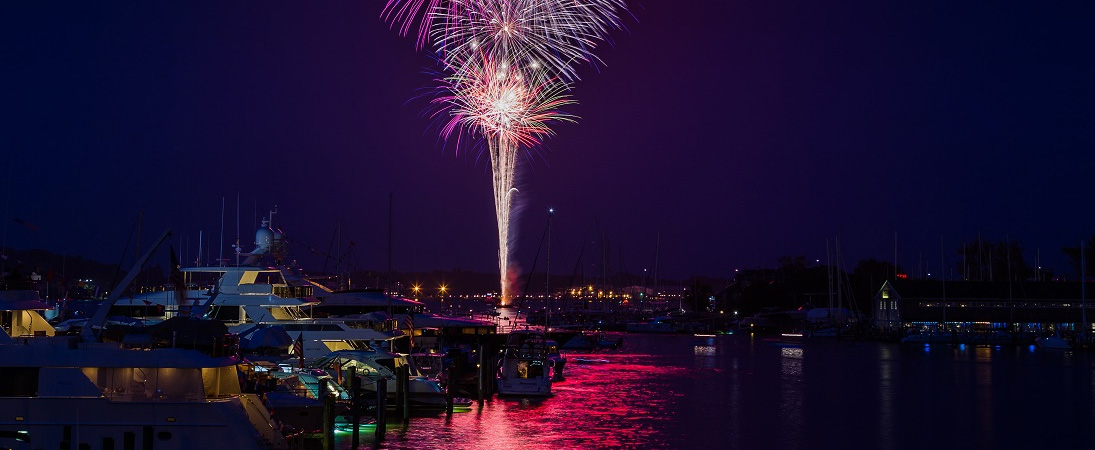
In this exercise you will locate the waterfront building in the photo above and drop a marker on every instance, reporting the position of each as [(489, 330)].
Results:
[(1018, 306)]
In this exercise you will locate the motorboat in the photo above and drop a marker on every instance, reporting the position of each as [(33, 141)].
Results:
[(1054, 341), (558, 360), (372, 365), (592, 341), (525, 368), (656, 325)]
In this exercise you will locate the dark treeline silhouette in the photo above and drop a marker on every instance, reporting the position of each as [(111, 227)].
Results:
[(981, 260)]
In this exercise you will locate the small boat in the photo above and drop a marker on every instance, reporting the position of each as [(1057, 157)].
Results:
[(656, 325), (373, 365), (558, 360), (590, 361), (1054, 341), (525, 369), (592, 341)]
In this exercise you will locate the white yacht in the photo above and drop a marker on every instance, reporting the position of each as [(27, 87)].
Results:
[(58, 392), (250, 296), (21, 314), (78, 392), (525, 369)]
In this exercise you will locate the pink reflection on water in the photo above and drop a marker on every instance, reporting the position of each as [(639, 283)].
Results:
[(616, 404)]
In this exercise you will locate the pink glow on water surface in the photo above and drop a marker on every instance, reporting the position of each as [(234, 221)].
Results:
[(615, 404)]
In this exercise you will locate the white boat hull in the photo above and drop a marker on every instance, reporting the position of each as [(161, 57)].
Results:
[(529, 387), (1052, 342), (101, 423)]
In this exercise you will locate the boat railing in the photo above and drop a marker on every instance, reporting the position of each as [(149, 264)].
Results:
[(526, 352), (286, 291), (255, 289)]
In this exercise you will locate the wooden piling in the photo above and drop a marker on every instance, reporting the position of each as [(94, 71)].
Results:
[(381, 407), (481, 376), (449, 390), (405, 403), (328, 417), (355, 405), (399, 392)]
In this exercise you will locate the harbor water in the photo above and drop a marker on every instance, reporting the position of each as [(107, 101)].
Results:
[(749, 392)]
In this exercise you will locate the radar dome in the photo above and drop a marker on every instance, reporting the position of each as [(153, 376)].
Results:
[(264, 238)]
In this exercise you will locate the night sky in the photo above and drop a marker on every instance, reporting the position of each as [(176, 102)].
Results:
[(736, 131)]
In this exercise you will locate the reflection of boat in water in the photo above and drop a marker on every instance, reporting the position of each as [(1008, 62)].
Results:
[(990, 337), (929, 338), (525, 368)]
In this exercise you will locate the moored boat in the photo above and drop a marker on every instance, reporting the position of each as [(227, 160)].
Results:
[(1053, 341), (62, 393), (525, 369)]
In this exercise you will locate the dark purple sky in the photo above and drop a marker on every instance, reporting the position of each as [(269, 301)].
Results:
[(738, 131)]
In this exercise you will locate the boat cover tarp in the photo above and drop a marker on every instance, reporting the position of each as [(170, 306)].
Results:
[(273, 337)]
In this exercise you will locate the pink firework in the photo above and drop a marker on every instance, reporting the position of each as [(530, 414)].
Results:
[(503, 102), (552, 34)]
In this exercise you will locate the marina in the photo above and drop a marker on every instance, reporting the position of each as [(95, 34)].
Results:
[(547, 224), (742, 392), (513, 384)]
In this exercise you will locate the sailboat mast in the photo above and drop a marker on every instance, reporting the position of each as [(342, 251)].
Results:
[(829, 273), (895, 254), (1083, 296), (1011, 299), (238, 250), (839, 278), (220, 256), (657, 252), (547, 272), (943, 280), (390, 206)]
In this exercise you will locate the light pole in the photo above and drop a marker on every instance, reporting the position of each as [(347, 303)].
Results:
[(547, 271), (442, 291)]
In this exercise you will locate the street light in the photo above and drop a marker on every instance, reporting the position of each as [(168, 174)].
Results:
[(442, 291), (547, 271)]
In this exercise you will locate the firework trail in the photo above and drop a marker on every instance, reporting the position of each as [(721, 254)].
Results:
[(510, 63), (511, 108)]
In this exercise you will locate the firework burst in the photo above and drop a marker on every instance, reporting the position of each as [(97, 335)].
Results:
[(511, 107), (543, 35), (502, 102), (508, 66)]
